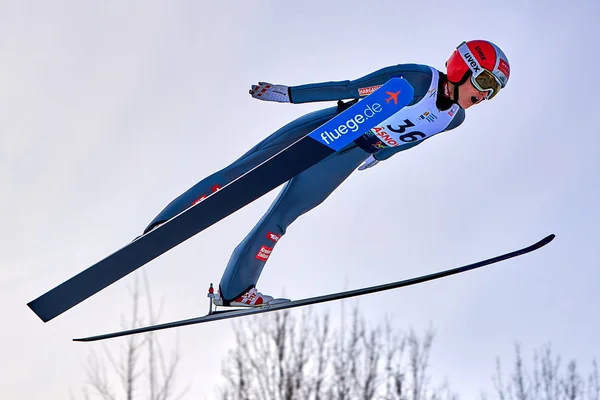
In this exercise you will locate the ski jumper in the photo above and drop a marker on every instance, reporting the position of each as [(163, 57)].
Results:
[(429, 113)]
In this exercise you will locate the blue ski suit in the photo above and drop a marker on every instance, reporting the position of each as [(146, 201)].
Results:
[(313, 186)]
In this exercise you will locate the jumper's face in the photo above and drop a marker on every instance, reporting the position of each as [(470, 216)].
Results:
[(469, 95)]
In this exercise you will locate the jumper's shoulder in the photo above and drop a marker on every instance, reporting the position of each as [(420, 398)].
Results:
[(458, 119), (419, 76)]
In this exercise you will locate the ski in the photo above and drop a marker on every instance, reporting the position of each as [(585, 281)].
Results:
[(330, 137), (234, 313)]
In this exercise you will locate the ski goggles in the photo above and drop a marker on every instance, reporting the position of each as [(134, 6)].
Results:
[(482, 79), (486, 82)]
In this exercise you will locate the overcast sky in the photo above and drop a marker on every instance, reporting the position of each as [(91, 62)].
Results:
[(109, 110)]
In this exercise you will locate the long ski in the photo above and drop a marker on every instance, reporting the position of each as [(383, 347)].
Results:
[(321, 299), (330, 137)]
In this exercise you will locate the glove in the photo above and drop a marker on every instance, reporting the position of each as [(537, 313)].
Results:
[(269, 92), (369, 162)]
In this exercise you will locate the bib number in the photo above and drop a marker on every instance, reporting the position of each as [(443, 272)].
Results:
[(406, 137)]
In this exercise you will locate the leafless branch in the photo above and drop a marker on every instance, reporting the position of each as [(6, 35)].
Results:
[(127, 364)]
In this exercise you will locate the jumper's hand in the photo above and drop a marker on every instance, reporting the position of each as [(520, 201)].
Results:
[(369, 162), (269, 92)]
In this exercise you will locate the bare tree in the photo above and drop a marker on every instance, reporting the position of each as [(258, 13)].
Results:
[(279, 357), (140, 357), (547, 380)]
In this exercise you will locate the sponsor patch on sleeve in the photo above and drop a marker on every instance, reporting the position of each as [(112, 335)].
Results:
[(365, 91)]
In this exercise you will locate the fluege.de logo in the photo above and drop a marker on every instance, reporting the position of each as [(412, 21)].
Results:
[(353, 124)]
